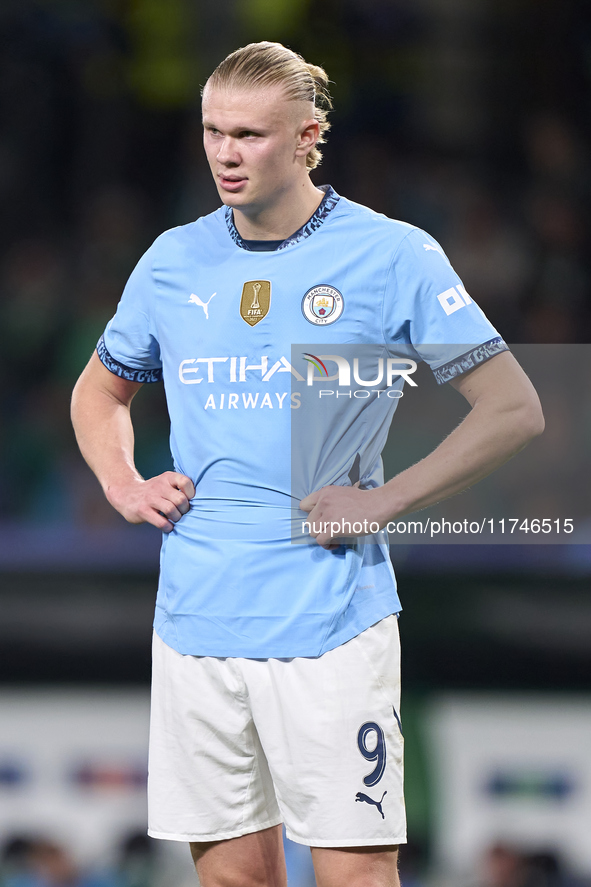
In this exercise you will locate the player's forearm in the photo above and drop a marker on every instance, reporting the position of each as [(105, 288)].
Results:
[(488, 437), (102, 423), (105, 436)]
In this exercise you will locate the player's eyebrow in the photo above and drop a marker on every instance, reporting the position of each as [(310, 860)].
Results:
[(235, 130)]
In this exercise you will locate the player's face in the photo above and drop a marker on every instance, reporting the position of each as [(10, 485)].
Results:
[(256, 143)]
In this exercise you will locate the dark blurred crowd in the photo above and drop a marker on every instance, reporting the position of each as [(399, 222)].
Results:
[(100, 151), (506, 865), (39, 862)]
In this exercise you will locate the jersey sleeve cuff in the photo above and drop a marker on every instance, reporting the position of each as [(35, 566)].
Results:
[(469, 360), (120, 369)]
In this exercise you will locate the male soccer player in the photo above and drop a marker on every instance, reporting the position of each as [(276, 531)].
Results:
[(275, 691)]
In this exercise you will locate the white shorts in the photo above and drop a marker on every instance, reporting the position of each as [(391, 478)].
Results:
[(239, 745)]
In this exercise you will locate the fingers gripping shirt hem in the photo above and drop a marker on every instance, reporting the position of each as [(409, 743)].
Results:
[(125, 372), (220, 836)]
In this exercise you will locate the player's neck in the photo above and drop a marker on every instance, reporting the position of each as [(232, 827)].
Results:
[(283, 218)]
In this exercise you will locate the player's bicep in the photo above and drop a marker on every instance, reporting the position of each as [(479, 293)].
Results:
[(501, 382), (96, 379)]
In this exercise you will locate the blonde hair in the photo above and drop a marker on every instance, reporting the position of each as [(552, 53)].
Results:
[(271, 64)]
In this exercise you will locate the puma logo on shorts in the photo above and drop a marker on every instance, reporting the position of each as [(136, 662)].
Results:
[(361, 797)]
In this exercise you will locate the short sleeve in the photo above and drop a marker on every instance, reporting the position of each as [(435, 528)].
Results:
[(427, 306), (129, 346)]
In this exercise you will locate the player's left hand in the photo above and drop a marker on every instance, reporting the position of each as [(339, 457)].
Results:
[(336, 512)]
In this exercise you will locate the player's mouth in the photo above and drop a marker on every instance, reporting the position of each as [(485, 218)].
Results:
[(232, 183)]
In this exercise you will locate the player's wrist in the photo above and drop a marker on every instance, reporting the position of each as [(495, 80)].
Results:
[(120, 489), (389, 503)]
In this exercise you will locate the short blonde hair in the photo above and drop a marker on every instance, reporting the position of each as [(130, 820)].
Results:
[(271, 64)]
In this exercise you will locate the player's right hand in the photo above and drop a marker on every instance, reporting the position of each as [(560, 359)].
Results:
[(160, 501)]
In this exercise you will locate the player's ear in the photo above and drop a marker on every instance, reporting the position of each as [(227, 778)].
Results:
[(308, 135)]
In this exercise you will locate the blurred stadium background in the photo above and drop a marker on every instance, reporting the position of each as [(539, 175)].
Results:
[(470, 118)]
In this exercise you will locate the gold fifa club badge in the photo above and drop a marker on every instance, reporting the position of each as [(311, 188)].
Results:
[(255, 301)]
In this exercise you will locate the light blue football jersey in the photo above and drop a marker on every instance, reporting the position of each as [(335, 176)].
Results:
[(264, 355)]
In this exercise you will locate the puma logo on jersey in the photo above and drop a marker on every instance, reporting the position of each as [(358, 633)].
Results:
[(197, 301), (361, 797), (436, 249)]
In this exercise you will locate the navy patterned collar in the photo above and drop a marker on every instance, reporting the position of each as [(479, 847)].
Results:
[(327, 204)]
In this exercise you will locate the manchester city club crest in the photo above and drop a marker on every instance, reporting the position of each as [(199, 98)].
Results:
[(323, 304)]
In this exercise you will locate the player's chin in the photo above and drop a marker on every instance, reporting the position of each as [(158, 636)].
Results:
[(232, 199)]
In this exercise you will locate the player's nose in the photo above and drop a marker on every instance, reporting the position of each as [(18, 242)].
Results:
[(228, 152)]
